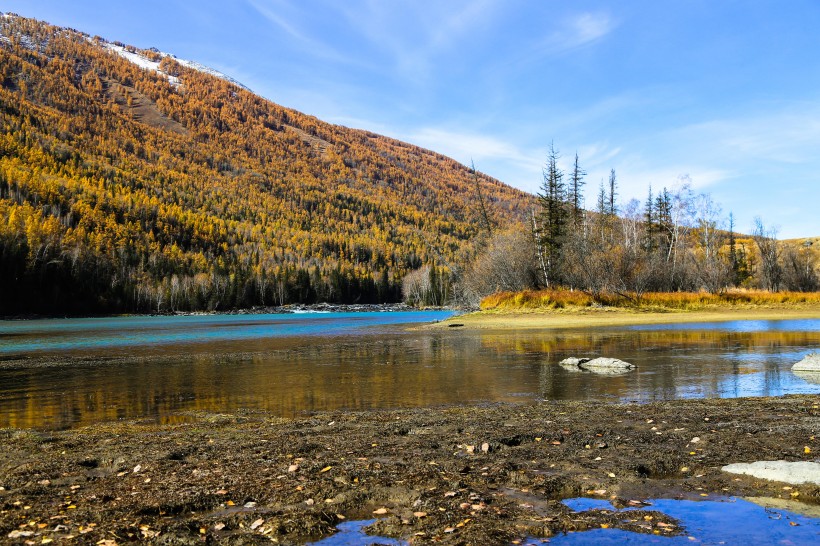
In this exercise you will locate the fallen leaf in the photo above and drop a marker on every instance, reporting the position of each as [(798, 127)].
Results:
[(293, 468), (380, 511), (325, 469), (257, 523), (806, 450), (420, 514), (219, 526), (137, 468)]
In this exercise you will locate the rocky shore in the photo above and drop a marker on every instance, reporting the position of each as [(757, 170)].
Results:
[(458, 475)]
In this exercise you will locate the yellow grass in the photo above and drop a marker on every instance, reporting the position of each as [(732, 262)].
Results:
[(549, 309), (683, 301)]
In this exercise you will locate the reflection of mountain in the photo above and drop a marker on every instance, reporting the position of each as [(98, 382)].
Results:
[(287, 376)]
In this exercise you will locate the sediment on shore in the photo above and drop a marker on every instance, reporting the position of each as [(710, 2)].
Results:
[(457, 475)]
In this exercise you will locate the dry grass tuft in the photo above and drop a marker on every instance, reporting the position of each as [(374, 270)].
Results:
[(686, 301)]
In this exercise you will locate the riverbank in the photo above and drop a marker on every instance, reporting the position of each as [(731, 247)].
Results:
[(290, 308), (459, 475), (588, 317)]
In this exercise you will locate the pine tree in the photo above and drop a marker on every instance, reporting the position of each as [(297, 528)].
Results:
[(575, 192), (733, 250), (649, 222), (612, 209), (552, 199)]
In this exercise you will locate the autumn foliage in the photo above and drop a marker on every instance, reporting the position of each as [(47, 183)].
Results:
[(684, 301), (122, 189)]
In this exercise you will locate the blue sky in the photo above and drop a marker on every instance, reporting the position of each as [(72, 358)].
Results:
[(725, 94)]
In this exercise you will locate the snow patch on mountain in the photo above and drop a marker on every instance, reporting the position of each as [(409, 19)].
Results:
[(149, 64)]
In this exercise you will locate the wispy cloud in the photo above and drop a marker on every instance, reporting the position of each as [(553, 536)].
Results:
[(464, 146), (413, 35), (284, 16), (788, 135), (574, 32)]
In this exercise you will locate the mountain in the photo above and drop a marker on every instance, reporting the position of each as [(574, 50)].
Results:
[(133, 181)]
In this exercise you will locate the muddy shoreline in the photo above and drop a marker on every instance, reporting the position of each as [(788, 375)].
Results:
[(456, 475)]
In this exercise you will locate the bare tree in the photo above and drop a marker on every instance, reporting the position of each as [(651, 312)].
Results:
[(508, 263), (770, 274)]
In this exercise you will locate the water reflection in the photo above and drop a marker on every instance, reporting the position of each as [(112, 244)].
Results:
[(389, 367), (721, 521)]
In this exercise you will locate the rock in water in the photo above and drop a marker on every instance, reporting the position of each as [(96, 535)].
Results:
[(794, 473), (603, 363), (573, 363), (811, 363)]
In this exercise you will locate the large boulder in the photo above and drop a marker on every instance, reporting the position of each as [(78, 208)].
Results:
[(604, 363), (794, 473), (601, 365), (811, 363), (573, 363)]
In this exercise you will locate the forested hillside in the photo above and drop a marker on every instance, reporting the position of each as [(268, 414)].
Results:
[(132, 189)]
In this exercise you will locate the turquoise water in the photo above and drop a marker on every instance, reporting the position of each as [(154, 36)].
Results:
[(85, 334)]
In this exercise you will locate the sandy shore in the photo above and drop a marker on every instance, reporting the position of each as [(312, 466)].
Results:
[(461, 475), (600, 317)]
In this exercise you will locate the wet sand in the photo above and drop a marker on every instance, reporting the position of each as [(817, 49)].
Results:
[(457, 475)]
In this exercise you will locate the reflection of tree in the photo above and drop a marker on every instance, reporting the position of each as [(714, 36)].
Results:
[(291, 376)]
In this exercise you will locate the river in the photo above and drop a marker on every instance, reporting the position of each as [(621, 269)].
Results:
[(65, 373)]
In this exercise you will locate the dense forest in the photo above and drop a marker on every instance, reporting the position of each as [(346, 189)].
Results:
[(676, 240), (155, 187)]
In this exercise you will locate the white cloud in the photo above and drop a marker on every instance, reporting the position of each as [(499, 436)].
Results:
[(463, 146), (575, 32), (283, 15)]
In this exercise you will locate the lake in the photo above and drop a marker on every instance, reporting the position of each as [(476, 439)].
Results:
[(57, 374)]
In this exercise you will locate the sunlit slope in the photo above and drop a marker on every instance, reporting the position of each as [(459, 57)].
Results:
[(126, 186)]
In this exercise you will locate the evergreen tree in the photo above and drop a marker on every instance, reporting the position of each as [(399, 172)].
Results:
[(733, 250), (649, 222), (552, 199), (612, 209), (601, 203), (663, 219), (575, 192)]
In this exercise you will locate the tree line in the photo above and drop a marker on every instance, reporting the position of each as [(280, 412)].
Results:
[(122, 190), (676, 240)]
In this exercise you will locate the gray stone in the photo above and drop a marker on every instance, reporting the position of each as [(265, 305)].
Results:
[(573, 363), (604, 363), (811, 363), (794, 473)]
